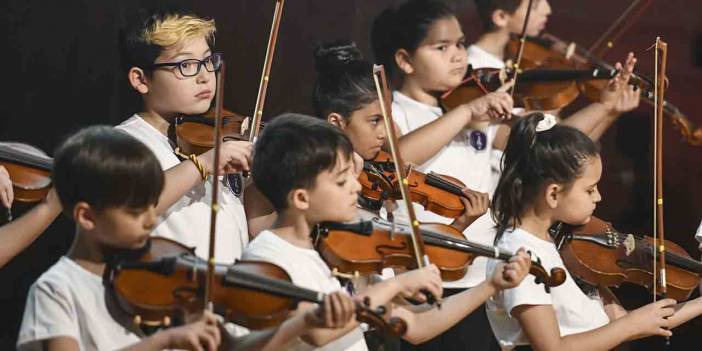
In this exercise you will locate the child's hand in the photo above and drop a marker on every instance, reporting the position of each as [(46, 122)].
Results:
[(337, 311), (6, 193), (492, 106), (619, 97), (651, 319), (413, 282), (476, 204), (511, 274), (201, 335), (234, 157)]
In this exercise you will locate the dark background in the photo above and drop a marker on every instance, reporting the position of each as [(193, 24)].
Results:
[(59, 70)]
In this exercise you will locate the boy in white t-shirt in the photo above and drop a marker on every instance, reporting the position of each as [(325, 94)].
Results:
[(504, 18), (67, 307), (170, 64), (304, 167)]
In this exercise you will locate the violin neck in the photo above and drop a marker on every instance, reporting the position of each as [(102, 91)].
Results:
[(21, 157), (683, 262), (438, 182), (272, 286), (549, 75)]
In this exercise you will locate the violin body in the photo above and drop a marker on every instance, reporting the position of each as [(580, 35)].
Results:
[(439, 194), (30, 173), (372, 244), (542, 95), (195, 134), (157, 299), (601, 256), (167, 281), (351, 252)]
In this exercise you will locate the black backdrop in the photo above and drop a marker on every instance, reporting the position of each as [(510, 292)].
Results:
[(60, 60)]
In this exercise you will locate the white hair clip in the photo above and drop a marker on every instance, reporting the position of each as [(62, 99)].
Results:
[(547, 123)]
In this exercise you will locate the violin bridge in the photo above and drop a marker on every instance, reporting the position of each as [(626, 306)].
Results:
[(245, 125), (350, 276), (629, 244)]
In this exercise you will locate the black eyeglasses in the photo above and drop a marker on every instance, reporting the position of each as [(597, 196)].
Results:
[(191, 67)]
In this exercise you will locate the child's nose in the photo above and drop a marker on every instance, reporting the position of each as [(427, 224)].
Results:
[(150, 218)]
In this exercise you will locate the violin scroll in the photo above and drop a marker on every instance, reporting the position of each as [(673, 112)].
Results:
[(555, 277), (375, 317)]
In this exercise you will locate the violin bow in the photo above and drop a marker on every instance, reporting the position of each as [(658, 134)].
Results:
[(417, 242), (522, 43), (266, 72), (616, 29), (659, 272), (214, 207)]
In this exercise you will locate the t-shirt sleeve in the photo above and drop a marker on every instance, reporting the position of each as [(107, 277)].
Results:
[(528, 292), (398, 115), (49, 313)]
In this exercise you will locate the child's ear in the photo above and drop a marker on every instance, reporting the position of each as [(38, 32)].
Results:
[(552, 192), (500, 18), (84, 215), (137, 78), (404, 61), (299, 199), (337, 120)]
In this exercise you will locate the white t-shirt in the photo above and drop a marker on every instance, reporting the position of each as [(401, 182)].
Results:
[(69, 301), (479, 58), (188, 220), (698, 234), (460, 160), (576, 312), (306, 269)]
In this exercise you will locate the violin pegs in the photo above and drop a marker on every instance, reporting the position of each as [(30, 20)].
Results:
[(166, 321), (137, 320)]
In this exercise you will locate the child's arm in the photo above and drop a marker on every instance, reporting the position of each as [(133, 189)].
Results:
[(336, 312), (617, 98), (685, 311), (18, 234), (541, 327), (406, 284), (428, 324), (235, 156), (203, 334), (422, 144), (260, 214), (6, 192)]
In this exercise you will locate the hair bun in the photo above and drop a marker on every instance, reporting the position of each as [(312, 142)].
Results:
[(329, 55)]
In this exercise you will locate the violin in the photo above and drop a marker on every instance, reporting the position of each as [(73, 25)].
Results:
[(29, 171), (599, 255), (538, 89), (437, 193), (369, 245), (195, 134), (158, 284), (548, 50)]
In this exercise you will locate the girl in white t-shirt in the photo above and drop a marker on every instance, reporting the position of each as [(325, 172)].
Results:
[(550, 176), (422, 46)]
